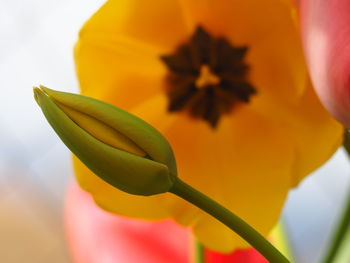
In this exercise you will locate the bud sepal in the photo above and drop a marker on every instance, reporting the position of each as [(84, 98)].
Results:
[(137, 160)]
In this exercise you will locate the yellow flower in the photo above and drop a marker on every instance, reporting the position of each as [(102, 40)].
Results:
[(226, 83)]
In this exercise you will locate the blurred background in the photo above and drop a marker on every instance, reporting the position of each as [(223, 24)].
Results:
[(36, 41)]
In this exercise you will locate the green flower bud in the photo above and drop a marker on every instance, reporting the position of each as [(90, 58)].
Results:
[(117, 146)]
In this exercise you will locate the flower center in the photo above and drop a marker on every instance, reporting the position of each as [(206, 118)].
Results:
[(207, 77)]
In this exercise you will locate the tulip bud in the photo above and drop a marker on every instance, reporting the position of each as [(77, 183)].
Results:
[(120, 148), (325, 28)]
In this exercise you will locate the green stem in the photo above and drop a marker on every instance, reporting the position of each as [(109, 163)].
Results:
[(199, 252), (344, 222), (339, 234), (225, 216)]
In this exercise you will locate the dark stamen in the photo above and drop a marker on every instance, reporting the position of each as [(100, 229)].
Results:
[(207, 77)]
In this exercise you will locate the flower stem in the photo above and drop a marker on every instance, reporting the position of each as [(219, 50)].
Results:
[(339, 234), (344, 222), (199, 252), (225, 216)]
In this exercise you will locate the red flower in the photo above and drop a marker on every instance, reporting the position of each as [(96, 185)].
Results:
[(96, 236), (326, 35)]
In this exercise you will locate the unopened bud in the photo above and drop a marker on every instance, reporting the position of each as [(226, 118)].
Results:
[(117, 146)]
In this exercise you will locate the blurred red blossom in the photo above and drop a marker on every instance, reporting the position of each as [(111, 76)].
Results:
[(326, 35), (96, 236)]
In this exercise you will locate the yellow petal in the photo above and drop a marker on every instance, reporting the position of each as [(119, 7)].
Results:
[(119, 47), (317, 135), (154, 111), (115, 68), (157, 22), (242, 165), (242, 21)]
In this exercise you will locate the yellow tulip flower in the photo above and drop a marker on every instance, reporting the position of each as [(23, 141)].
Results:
[(226, 83)]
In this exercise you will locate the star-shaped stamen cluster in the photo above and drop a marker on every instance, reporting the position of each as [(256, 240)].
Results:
[(207, 77)]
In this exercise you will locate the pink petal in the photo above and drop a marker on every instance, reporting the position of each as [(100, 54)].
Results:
[(326, 36), (239, 256), (96, 236)]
